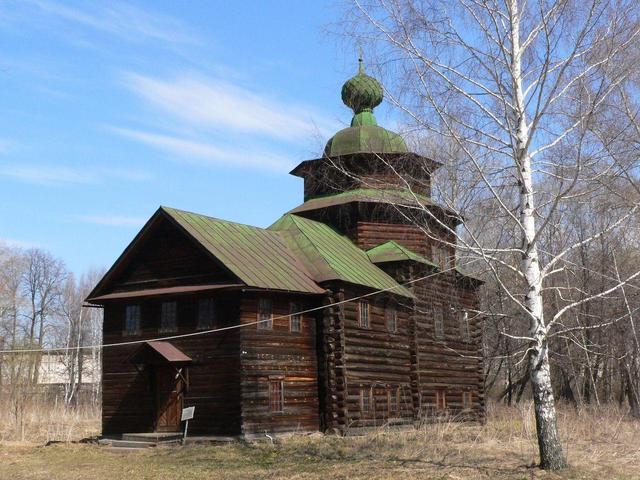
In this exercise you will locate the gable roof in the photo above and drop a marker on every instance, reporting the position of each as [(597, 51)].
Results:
[(255, 256), (394, 252), (258, 257), (328, 255)]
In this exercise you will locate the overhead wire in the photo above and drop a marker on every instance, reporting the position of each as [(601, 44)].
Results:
[(222, 329)]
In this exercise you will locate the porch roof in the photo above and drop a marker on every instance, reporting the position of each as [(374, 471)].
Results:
[(161, 352)]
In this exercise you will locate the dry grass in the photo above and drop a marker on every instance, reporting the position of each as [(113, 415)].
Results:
[(601, 444), (36, 420)]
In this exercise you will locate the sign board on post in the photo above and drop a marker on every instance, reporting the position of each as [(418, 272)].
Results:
[(187, 414)]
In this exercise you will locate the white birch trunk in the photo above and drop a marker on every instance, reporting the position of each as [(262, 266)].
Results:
[(551, 453)]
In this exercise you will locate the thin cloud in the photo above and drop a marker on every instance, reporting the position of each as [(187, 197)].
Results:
[(64, 176), (112, 220), (44, 175), (204, 154), (13, 243), (214, 103), (120, 19)]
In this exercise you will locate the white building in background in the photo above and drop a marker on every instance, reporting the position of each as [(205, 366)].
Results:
[(54, 370)]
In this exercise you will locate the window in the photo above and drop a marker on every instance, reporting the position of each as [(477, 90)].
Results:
[(467, 400), (441, 399), (391, 316), (295, 317), (276, 395), (365, 399), (206, 314), (463, 320), (168, 317), (363, 318), (438, 322), (441, 257), (132, 320), (393, 397), (265, 314)]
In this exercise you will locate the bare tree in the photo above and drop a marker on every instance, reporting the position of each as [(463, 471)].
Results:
[(518, 88), (80, 328), (42, 283)]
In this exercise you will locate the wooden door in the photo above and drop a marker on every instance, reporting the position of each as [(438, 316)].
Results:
[(168, 399)]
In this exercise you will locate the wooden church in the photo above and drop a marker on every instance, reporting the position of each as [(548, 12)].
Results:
[(349, 311)]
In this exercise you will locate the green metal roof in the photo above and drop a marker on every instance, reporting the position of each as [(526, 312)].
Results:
[(394, 252), (327, 255), (374, 195), (258, 257), (365, 138)]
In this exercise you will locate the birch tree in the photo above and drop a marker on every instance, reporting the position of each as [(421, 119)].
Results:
[(80, 327), (519, 88)]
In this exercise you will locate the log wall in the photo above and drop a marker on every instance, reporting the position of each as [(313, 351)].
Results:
[(450, 364), (370, 234), (278, 354), (370, 361), (128, 403)]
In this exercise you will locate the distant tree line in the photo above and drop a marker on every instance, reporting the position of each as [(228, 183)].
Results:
[(41, 307)]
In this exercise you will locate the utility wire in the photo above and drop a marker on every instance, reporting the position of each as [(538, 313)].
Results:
[(222, 329)]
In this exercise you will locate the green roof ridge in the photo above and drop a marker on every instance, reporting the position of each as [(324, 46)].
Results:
[(390, 196), (333, 256), (376, 192), (392, 251)]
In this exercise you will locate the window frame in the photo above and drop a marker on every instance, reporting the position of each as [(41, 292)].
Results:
[(138, 320), (366, 393), (211, 310), (393, 401), (295, 317), (441, 256), (162, 328), (391, 312), (463, 325), (276, 387), (438, 322), (264, 324), (467, 400), (364, 314), (441, 399)]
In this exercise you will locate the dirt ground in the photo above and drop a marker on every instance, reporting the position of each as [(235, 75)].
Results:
[(601, 444)]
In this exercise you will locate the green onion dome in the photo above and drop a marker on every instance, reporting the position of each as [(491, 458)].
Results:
[(362, 94)]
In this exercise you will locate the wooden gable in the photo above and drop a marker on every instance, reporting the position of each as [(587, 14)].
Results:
[(162, 255)]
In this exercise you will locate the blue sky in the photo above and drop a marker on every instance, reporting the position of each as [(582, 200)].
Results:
[(112, 109)]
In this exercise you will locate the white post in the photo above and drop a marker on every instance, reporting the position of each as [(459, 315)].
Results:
[(187, 414), (186, 427)]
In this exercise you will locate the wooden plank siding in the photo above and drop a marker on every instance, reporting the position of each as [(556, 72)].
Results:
[(371, 234), (166, 257), (278, 354)]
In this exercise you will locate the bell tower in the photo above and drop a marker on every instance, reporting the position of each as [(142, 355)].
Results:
[(370, 187)]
